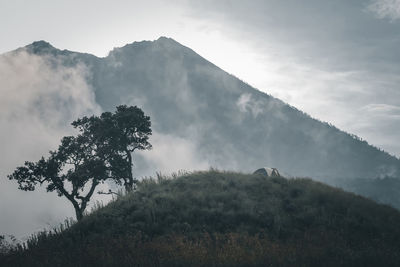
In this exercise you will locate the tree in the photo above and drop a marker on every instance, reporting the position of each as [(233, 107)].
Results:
[(117, 136), (102, 150), (73, 171)]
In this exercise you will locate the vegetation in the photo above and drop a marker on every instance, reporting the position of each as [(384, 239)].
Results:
[(384, 190), (101, 151), (116, 136), (4, 246), (223, 219)]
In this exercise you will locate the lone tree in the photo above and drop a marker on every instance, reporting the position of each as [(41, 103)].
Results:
[(117, 136), (101, 151)]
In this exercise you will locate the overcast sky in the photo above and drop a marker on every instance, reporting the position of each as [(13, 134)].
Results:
[(337, 60)]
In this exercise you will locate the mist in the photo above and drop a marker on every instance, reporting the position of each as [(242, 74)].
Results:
[(201, 117), (38, 101), (41, 95), (311, 88)]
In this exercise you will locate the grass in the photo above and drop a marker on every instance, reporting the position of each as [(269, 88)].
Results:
[(223, 219)]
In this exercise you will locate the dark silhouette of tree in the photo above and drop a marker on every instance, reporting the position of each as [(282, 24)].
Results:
[(73, 171), (117, 136), (102, 150)]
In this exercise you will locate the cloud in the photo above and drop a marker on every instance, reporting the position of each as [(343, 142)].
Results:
[(247, 103), (328, 64), (385, 9), (383, 110), (380, 122), (341, 67), (38, 100), (171, 154)]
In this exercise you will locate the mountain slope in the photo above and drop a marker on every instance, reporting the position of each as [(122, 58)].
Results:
[(225, 219), (228, 123)]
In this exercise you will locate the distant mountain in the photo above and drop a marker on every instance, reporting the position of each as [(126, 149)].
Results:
[(229, 124)]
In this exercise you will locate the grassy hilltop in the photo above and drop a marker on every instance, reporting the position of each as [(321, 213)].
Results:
[(224, 219)]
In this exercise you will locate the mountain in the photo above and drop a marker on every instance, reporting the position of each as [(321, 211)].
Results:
[(226, 122), (223, 219)]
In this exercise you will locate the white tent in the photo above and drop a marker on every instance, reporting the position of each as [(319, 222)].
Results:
[(269, 172)]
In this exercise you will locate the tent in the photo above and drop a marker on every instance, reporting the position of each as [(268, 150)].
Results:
[(269, 172)]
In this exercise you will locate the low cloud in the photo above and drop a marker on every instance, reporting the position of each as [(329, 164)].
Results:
[(385, 9), (383, 110), (38, 101), (379, 120), (247, 103), (170, 154)]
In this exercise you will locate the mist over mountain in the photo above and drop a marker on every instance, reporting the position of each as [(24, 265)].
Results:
[(201, 117), (215, 118)]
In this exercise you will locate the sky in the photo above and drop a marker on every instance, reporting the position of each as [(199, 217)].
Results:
[(336, 60)]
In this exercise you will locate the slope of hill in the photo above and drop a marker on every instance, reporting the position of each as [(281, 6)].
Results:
[(230, 124), (225, 219)]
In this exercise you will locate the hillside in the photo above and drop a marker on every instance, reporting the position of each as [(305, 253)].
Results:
[(224, 219), (218, 119)]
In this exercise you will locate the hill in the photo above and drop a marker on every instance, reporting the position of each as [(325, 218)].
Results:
[(218, 119), (224, 219)]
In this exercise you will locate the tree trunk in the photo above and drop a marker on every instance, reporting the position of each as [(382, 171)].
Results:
[(79, 214), (129, 183), (78, 211)]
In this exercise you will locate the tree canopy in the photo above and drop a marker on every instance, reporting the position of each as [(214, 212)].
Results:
[(117, 135), (101, 151)]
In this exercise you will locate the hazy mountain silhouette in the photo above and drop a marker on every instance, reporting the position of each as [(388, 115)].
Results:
[(231, 124)]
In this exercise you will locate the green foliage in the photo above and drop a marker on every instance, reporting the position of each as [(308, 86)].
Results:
[(8, 244), (3, 246), (225, 219), (207, 249)]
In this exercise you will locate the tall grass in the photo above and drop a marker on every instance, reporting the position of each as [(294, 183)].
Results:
[(219, 218)]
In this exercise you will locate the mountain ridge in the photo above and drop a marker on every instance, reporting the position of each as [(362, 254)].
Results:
[(194, 99)]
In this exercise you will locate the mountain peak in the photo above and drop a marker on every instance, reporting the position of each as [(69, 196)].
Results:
[(42, 44), (40, 47), (163, 45), (164, 39)]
